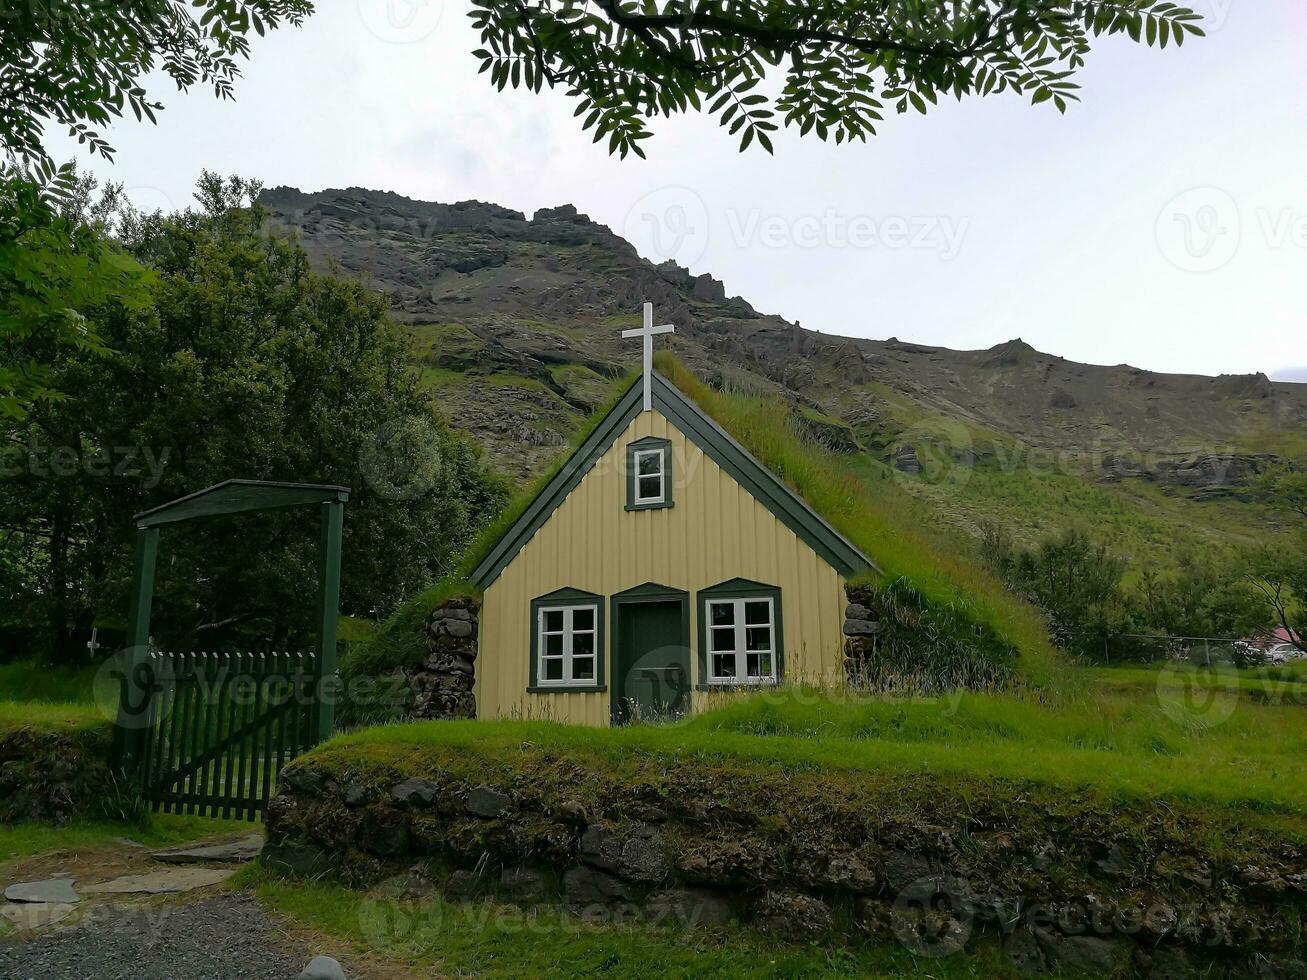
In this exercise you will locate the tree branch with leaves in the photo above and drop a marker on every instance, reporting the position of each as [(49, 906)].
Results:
[(844, 63), (80, 62)]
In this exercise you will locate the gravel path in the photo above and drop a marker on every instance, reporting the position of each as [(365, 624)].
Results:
[(227, 937)]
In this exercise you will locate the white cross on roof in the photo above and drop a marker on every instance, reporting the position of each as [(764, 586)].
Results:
[(648, 331)]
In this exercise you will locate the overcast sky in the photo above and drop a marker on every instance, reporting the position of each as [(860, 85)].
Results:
[(1162, 222)]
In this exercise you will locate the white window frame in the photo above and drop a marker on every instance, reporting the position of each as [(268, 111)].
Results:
[(740, 651), (661, 496), (568, 656)]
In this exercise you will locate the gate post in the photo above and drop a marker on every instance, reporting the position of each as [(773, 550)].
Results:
[(324, 709), (134, 696)]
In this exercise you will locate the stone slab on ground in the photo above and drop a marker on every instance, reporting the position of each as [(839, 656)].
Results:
[(52, 890), (323, 968), (230, 852), (164, 882), (29, 916)]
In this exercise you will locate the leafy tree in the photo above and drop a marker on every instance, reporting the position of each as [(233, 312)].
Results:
[(1075, 580), (844, 62), (1281, 575), (80, 62), (245, 364), (1202, 596), (53, 267)]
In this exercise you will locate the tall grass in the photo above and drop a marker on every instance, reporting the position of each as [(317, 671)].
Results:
[(887, 523)]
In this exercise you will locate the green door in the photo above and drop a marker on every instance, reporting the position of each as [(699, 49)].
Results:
[(652, 675)]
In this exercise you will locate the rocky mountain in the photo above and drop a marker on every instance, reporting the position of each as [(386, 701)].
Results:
[(517, 325)]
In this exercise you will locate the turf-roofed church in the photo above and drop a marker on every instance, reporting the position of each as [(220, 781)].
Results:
[(662, 567)]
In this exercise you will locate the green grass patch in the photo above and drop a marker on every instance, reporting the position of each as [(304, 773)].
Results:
[(485, 939), (51, 717), (30, 681), (1125, 744), (160, 830)]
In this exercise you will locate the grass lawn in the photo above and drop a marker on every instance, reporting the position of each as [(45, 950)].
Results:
[(51, 716), (161, 830), (435, 937), (1137, 734), (27, 681)]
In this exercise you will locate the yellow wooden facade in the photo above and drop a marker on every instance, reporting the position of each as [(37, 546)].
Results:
[(715, 531)]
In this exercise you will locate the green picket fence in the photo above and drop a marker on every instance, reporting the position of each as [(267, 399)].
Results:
[(220, 726)]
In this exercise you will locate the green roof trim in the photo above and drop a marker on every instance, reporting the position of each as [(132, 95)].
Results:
[(722, 448)]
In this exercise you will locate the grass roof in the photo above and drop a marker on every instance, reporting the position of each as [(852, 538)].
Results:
[(943, 594)]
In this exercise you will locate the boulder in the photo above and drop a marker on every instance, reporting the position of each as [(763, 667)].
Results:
[(1079, 954), (689, 908), (861, 627), (488, 802), (297, 857), (415, 792), (600, 847), (1023, 949), (794, 915), (383, 834), (523, 884), (643, 857), (323, 968), (584, 885), (900, 869)]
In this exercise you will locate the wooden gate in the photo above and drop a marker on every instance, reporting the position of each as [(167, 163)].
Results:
[(206, 733), (219, 727)]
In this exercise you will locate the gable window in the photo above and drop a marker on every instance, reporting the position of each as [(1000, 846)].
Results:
[(648, 474), (567, 642), (740, 635)]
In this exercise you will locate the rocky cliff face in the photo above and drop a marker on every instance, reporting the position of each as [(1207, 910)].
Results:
[(517, 322)]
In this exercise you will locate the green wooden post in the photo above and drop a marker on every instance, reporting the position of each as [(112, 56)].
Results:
[(133, 703), (333, 517)]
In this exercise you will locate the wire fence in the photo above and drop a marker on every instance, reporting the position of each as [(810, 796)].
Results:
[(1206, 650)]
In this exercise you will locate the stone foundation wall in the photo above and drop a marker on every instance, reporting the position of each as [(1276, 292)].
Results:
[(53, 776), (861, 628), (442, 686), (1058, 881)]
